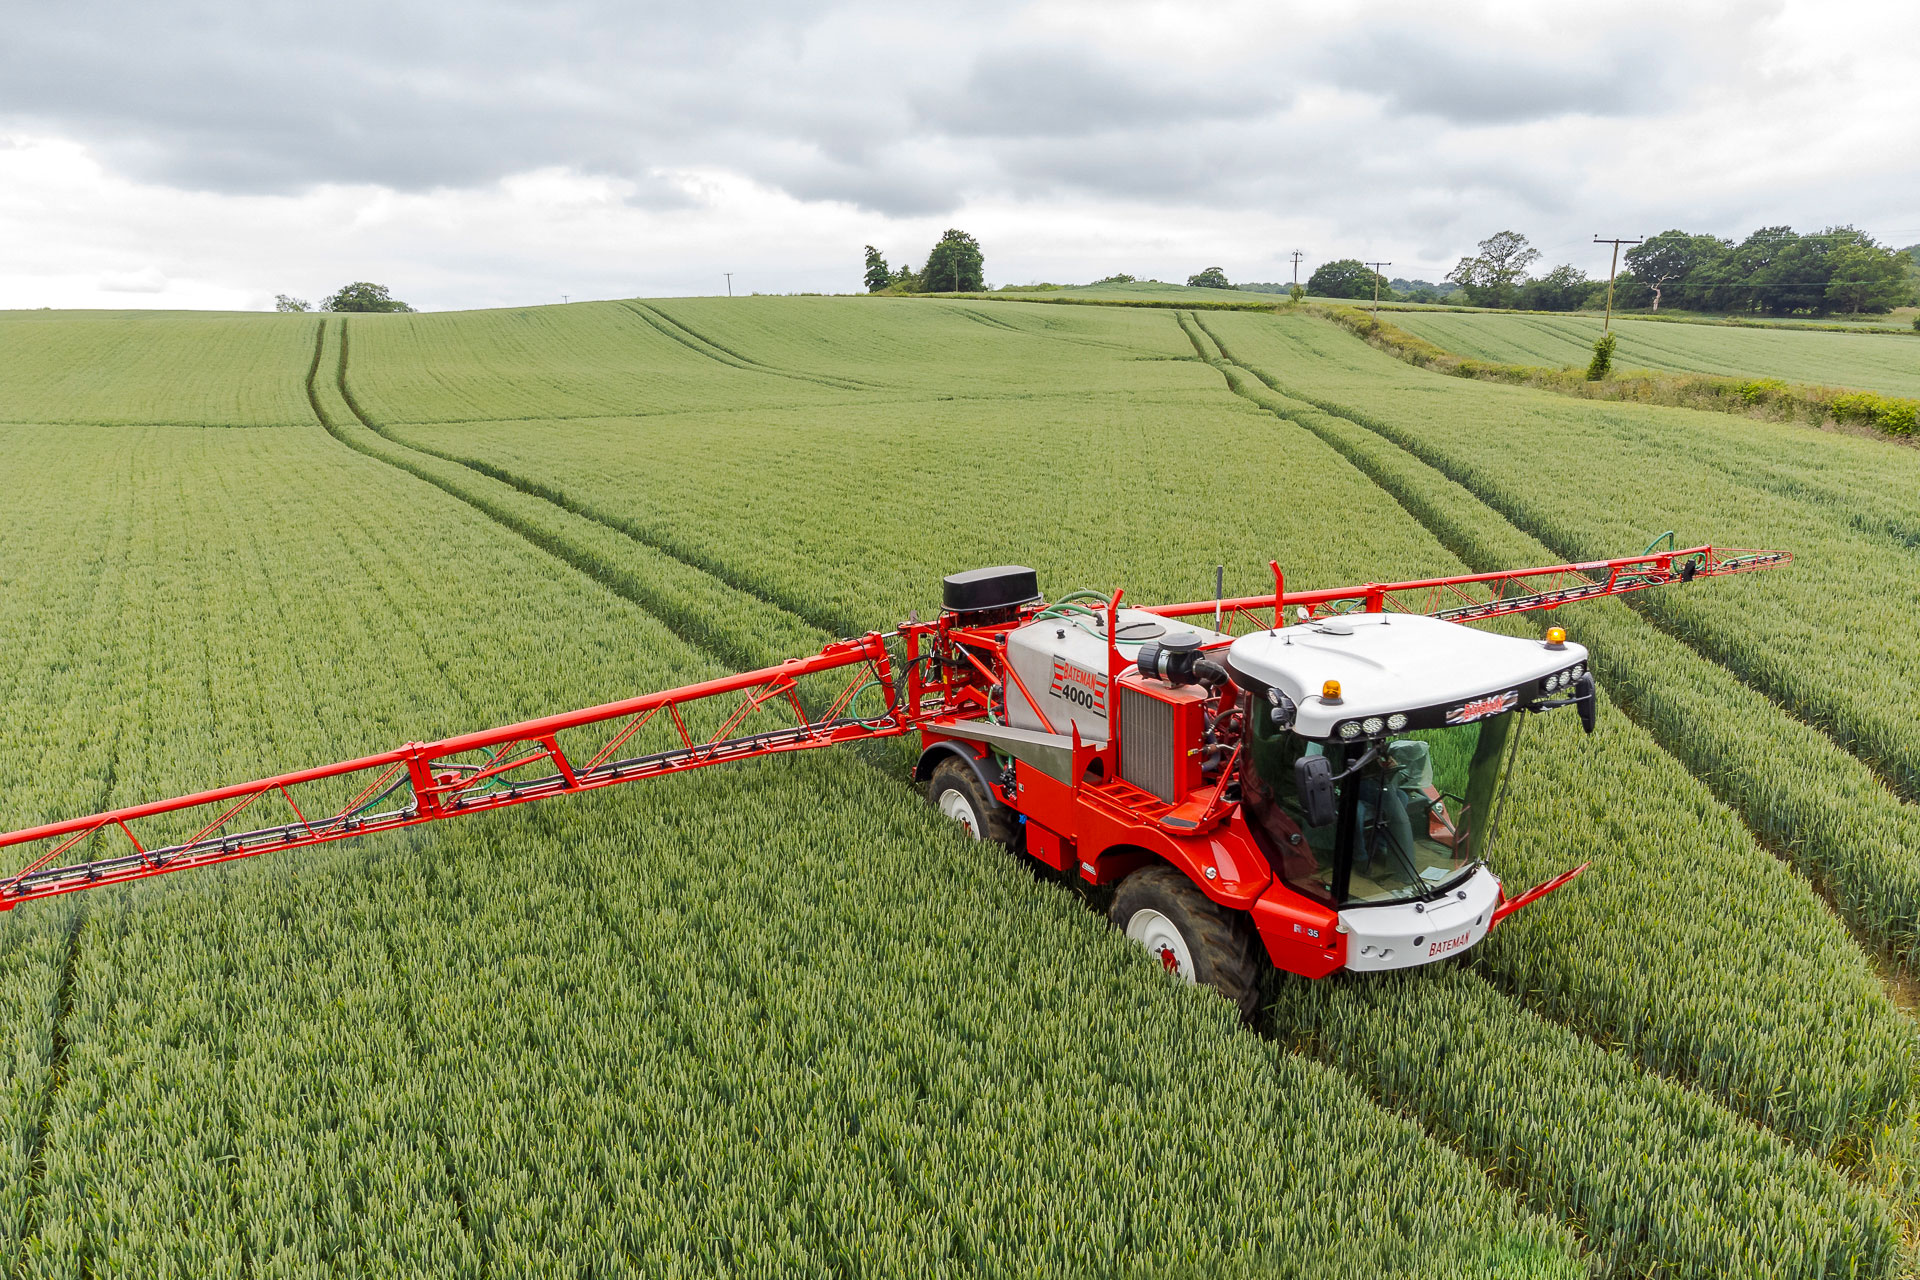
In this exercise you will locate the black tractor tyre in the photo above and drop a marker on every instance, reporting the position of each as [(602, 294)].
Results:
[(955, 790), (1219, 943)]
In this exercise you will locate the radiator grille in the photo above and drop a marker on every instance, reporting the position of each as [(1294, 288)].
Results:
[(1146, 743)]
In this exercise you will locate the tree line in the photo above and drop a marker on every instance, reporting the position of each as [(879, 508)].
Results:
[(955, 265), (1776, 271)]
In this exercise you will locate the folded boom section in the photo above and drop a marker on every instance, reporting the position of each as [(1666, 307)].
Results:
[(754, 714)]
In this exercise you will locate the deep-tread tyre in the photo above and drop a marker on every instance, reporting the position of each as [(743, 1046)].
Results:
[(1193, 936), (956, 792)]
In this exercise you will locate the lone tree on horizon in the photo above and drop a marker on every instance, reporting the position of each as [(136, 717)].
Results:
[(363, 295), (1211, 278)]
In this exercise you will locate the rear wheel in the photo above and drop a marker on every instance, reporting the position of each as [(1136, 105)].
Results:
[(956, 791), (1193, 936)]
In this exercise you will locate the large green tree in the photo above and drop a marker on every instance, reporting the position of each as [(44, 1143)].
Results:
[(956, 265), (1211, 278), (363, 295), (1492, 277), (1347, 278), (1678, 268), (1867, 277), (877, 276)]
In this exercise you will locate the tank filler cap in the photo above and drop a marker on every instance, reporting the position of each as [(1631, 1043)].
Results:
[(1170, 659)]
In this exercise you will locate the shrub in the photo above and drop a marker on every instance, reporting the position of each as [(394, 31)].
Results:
[(1602, 363)]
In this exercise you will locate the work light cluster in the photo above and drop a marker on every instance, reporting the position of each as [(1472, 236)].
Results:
[(1372, 726), (1564, 679)]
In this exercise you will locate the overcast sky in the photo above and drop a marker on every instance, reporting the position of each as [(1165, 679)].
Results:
[(482, 153)]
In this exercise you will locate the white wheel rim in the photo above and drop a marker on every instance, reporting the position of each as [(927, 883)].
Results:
[(1161, 939), (955, 805)]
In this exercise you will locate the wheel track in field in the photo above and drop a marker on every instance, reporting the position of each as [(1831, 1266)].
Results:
[(555, 546), (35, 1203), (659, 603), (668, 327), (60, 1041), (830, 379), (618, 928), (1507, 512)]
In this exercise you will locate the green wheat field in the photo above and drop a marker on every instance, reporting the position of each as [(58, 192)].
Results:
[(777, 1018)]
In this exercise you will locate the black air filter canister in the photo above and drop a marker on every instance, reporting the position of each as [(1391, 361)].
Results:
[(982, 590)]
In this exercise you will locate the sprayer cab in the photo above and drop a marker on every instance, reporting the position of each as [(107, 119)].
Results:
[(1374, 763)]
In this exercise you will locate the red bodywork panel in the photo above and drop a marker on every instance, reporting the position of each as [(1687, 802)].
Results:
[(932, 677)]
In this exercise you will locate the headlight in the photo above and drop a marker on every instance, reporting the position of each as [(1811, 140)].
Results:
[(1579, 669), (1553, 682), (1351, 729), (1396, 722), (1373, 725)]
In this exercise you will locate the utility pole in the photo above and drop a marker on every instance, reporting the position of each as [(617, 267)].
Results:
[(565, 298), (1297, 255), (729, 276), (1616, 242), (1376, 283)]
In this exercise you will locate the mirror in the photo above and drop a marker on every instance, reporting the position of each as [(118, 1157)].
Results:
[(1584, 700), (1313, 779)]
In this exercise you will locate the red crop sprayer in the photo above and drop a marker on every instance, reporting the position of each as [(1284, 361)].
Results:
[(1310, 778)]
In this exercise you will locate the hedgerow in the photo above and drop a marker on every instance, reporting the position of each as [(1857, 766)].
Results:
[(1894, 415)]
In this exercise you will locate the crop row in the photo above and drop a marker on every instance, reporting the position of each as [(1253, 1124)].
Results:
[(1766, 1042), (638, 360), (660, 1031), (1435, 1042)]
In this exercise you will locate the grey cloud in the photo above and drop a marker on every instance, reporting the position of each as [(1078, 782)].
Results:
[(823, 102), (899, 111), (1435, 75), (1041, 92)]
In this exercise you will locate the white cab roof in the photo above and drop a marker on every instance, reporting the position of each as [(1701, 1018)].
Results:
[(1388, 662)]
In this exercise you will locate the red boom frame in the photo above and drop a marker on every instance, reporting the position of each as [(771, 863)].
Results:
[(442, 780)]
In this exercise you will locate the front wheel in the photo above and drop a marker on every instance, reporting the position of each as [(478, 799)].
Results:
[(955, 790), (1193, 936)]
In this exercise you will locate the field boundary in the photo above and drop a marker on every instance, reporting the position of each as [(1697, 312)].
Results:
[(1891, 417), (1895, 418)]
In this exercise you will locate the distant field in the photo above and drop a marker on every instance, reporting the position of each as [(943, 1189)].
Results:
[(1150, 291), (189, 368), (776, 1019), (1888, 363)]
